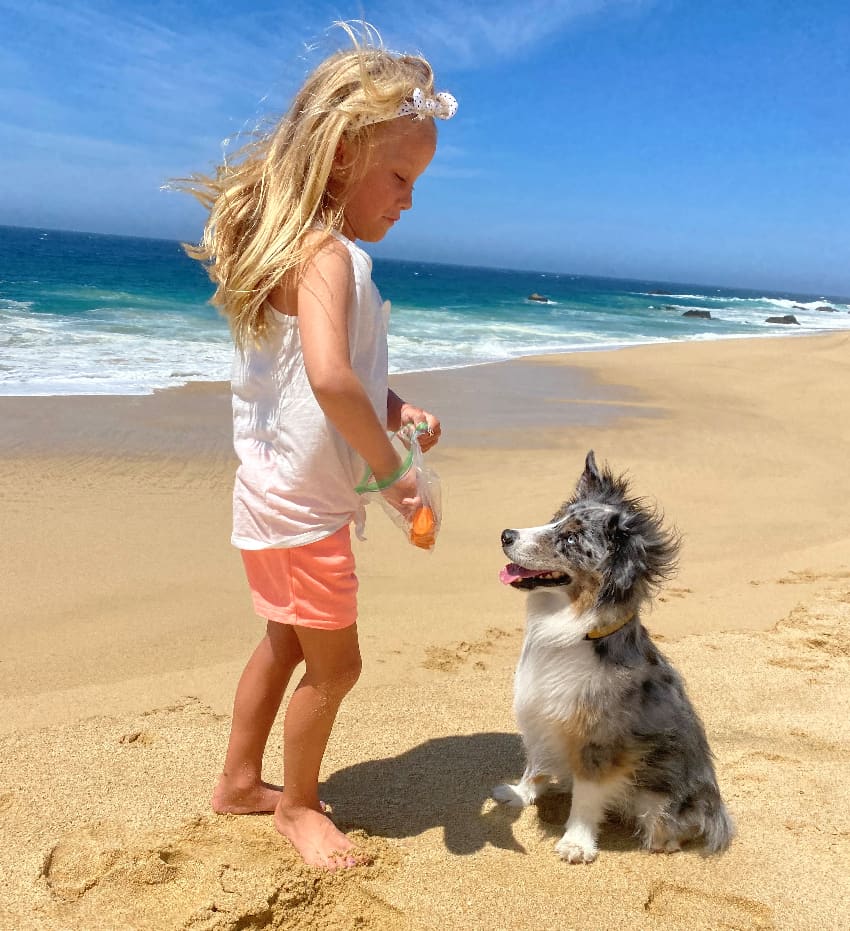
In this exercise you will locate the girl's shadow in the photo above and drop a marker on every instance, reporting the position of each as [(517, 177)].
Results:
[(443, 782)]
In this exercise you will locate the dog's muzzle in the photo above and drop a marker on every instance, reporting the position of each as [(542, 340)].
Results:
[(518, 576)]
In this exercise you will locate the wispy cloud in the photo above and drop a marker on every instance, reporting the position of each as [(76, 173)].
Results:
[(471, 35), (204, 65), (99, 57)]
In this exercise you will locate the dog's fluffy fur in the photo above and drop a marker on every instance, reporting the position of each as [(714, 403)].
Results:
[(610, 715)]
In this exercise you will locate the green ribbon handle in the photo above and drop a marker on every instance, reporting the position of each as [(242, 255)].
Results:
[(380, 484)]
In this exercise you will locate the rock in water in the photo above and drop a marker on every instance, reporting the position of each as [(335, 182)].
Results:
[(786, 318)]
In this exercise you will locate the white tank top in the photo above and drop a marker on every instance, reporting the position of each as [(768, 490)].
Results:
[(296, 476)]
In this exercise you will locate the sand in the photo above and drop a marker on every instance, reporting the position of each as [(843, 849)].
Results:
[(125, 625)]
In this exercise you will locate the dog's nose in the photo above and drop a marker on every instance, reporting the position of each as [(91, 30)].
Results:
[(508, 537)]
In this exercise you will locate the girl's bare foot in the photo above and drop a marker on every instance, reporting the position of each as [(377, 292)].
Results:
[(258, 798), (317, 838)]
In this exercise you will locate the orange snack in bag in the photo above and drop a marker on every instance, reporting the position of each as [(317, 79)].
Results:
[(423, 528)]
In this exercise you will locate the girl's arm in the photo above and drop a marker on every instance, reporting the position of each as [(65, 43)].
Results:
[(322, 299)]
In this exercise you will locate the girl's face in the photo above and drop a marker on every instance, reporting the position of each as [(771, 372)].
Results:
[(373, 200)]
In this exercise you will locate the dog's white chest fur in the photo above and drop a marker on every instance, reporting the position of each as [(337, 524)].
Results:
[(557, 665)]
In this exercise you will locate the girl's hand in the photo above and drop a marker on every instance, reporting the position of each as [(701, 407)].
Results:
[(402, 495), (416, 415)]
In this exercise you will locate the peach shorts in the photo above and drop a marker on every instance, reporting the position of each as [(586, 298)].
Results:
[(309, 586)]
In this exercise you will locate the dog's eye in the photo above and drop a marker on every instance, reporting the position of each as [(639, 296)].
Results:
[(572, 539)]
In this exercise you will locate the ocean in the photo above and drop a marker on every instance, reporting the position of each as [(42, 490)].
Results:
[(84, 313)]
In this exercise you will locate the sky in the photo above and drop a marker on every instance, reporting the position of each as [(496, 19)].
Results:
[(671, 140)]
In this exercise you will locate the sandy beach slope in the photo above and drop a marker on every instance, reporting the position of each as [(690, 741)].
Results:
[(125, 624)]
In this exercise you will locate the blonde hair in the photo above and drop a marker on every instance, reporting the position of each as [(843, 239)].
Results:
[(262, 204)]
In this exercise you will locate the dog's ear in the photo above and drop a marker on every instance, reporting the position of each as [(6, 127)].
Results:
[(590, 479), (627, 562), (618, 529), (642, 554)]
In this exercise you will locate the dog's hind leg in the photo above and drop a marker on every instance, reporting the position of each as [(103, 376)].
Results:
[(654, 824), (704, 818), (589, 803)]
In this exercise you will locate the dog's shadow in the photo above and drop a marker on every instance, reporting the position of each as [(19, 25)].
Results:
[(443, 782), (446, 783)]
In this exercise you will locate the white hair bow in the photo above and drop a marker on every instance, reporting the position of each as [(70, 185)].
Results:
[(442, 106)]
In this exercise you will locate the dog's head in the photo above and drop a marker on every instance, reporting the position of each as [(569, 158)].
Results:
[(602, 544)]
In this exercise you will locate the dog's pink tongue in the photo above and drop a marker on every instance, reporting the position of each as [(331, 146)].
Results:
[(513, 573)]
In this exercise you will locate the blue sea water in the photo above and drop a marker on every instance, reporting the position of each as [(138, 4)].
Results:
[(82, 313)]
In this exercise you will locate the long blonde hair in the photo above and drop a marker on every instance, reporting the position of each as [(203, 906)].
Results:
[(263, 202)]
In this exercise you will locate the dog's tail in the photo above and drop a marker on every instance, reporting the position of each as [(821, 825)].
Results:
[(718, 828)]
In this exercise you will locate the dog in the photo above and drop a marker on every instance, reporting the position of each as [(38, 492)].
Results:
[(596, 702)]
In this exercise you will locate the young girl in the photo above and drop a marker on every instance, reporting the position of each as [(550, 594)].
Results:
[(311, 402)]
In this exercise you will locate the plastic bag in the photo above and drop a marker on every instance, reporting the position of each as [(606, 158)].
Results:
[(422, 528)]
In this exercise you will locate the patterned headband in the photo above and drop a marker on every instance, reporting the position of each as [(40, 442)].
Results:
[(442, 106)]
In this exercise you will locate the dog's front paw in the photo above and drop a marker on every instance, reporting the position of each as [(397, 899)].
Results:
[(517, 796), (576, 850)]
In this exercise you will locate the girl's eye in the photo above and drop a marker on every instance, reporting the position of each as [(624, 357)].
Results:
[(403, 181)]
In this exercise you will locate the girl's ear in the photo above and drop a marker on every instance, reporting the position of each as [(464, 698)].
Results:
[(341, 172), (342, 158), (348, 160), (350, 150)]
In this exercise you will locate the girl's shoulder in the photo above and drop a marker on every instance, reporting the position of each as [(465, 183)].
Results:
[(325, 263), (323, 243), (323, 249), (336, 243), (327, 268)]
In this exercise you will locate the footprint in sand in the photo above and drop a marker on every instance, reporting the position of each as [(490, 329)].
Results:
[(769, 757), (77, 863), (703, 911), (450, 659), (674, 593), (191, 704), (210, 874), (799, 663), (137, 738), (819, 746), (756, 767), (143, 737), (804, 576), (837, 644), (816, 641)]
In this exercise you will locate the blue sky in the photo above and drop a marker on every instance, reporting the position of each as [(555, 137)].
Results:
[(679, 140)]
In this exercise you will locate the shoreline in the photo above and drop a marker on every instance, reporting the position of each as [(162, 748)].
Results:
[(109, 424), (783, 332), (528, 388)]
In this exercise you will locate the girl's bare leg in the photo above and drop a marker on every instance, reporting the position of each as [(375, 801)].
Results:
[(240, 789), (332, 660)]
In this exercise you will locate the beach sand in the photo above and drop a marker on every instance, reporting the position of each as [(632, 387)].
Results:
[(126, 623)]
